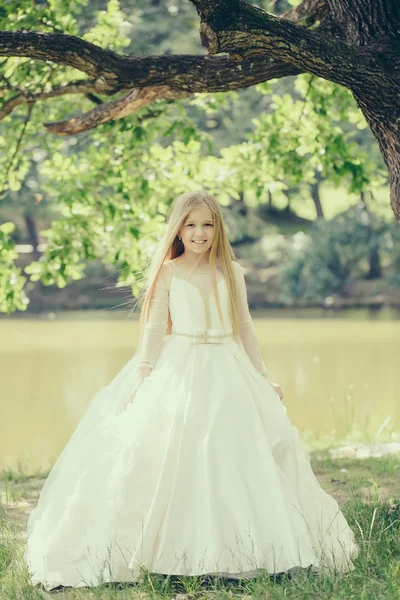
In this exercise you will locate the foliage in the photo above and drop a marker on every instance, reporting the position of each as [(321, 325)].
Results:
[(334, 253), (12, 282), (300, 141)]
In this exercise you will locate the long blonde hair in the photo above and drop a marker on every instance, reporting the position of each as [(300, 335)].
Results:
[(170, 246)]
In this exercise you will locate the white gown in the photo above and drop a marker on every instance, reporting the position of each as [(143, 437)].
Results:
[(202, 473)]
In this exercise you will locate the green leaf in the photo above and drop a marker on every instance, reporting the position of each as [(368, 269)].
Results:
[(7, 228)]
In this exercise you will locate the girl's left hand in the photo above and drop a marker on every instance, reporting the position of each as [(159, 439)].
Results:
[(277, 388), (130, 399)]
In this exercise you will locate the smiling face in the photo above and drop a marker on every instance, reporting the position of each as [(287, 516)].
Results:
[(197, 231)]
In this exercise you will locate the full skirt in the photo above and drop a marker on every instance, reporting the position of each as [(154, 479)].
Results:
[(203, 473)]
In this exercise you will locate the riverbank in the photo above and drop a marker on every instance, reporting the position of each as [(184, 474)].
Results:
[(99, 291), (367, 490)]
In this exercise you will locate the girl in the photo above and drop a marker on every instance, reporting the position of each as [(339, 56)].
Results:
[(186, 463)]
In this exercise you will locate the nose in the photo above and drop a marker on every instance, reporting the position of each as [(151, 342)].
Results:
[(199, 232)]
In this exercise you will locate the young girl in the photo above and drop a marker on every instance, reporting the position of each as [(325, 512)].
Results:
[(186, 463)]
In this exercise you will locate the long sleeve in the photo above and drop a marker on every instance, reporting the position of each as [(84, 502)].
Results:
[(156, 325), (246, 326)]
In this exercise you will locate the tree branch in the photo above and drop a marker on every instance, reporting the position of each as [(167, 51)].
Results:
[(22, 97), (16, 149), (245, 31), (135, 100), (113, 72), (222, 80), (162, 76)]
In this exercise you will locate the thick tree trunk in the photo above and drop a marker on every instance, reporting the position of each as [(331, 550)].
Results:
[(33, 237), (240, 206), (374, 258), (363, 199), (375, 267), (317, 199)]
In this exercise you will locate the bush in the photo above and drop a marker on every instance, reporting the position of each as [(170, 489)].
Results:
[(336, 252)]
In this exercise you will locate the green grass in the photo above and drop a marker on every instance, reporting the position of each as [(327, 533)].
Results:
[(367, 491)]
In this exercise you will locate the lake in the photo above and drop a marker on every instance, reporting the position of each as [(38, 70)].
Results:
[(338, 374)]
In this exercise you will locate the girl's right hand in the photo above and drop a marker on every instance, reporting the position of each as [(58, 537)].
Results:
[(143, 373)]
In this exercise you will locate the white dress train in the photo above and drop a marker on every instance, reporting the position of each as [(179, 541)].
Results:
[(203, 473)]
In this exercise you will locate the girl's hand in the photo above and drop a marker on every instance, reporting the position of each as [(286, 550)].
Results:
[(143, 373), (277, 388), (130, 399)]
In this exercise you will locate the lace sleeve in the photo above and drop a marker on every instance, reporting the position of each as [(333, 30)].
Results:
[(247, 329), (156, 325)]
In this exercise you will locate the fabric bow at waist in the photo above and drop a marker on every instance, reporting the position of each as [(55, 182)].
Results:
[(206, 336)]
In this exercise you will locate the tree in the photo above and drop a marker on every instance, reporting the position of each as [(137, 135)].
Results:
[(352, 43)]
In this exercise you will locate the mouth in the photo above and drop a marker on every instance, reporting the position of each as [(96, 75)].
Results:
[(199, 241)]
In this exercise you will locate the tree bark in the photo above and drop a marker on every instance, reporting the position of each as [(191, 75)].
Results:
[(363, 21)]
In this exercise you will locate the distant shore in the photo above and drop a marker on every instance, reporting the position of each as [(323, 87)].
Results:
[(99, 291)]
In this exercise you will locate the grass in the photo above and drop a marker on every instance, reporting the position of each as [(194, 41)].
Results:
[(368, 492)]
